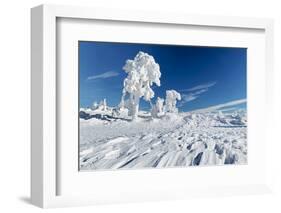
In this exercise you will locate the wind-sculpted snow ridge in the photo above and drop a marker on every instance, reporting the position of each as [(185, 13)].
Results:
[(184, 139)]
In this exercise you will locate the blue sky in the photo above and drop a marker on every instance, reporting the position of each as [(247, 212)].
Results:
[(204, 76)]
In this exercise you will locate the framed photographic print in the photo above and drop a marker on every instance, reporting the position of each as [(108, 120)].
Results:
[(134, 106)]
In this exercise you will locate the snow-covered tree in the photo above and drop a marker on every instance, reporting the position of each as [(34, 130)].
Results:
[(100, 105), (122, 102), (103, 105), (171, 100), (157, 109), (142, 72), (95, 105)]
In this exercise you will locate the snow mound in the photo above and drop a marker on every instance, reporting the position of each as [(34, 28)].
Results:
[(176, 139)]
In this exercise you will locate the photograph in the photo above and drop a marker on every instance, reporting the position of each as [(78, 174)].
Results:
[(147, 105)]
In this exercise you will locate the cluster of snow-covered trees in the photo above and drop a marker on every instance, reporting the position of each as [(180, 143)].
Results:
[(142, 73), (159, 109), (101, 106)]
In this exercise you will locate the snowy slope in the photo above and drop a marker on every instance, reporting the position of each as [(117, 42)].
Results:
[(184, 139)]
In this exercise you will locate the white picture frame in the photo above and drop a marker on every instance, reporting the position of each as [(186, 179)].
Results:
[(45, 168)]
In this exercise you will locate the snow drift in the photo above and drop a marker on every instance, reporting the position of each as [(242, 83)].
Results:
[(183, 139)]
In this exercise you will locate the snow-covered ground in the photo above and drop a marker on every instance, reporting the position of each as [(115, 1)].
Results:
[(184, 139)]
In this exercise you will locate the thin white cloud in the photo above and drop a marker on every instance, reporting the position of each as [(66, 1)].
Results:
[(195, 92), (192, 96), (188, 97), (108, 74), (201, 86), (220, 106)]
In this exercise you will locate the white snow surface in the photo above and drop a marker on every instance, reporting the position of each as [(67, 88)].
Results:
[(183, 139)]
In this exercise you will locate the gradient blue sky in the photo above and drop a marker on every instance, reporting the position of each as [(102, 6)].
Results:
[(204, 76)]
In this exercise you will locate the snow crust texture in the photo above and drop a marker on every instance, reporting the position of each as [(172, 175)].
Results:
[(174, 140)]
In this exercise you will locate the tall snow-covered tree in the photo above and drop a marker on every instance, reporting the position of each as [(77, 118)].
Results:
[(171, 100), (157, 109), (103, 105), (142, 72)]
